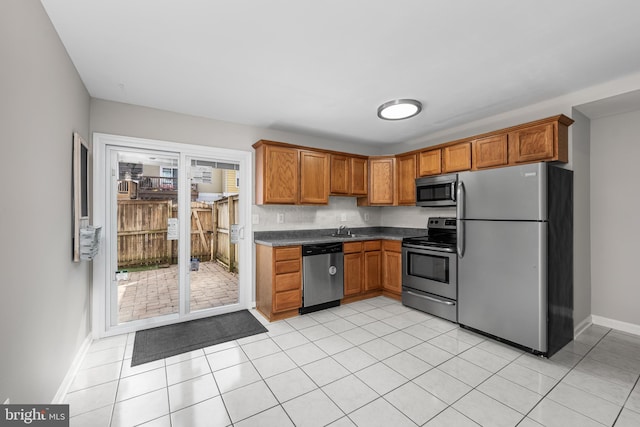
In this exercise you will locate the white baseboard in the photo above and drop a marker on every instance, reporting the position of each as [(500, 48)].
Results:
[(630, 328), (73, 370), (580, 328)]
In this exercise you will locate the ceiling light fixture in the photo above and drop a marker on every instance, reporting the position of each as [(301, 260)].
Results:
[(399, 109)]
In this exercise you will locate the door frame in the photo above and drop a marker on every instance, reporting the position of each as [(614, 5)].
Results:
[(102, 217)]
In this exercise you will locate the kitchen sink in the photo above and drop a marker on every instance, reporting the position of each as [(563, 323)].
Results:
[(346, 235)]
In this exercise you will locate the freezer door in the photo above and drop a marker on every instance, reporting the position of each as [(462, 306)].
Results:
[(511, 193), (502, 281)]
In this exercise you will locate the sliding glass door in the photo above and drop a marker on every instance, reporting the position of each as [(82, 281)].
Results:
[(173, 218), (146, 260)]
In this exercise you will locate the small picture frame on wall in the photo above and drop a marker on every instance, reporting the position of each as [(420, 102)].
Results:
[(80, 190)]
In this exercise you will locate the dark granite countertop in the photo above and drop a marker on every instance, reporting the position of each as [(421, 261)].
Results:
[(306, 237)]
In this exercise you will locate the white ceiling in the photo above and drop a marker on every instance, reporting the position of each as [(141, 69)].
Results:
[(323, 67)]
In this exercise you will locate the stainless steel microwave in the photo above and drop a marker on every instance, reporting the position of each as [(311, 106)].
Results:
[(437, 190)]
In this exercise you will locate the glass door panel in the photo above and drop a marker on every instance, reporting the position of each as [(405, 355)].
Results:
[(146, 260), (213, 273)]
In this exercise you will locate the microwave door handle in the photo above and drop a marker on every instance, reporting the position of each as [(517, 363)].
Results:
[(460, 222), (453, 191)]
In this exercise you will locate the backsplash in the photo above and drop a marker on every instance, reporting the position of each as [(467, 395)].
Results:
[(342, 211), (339, 211), (412, 216)]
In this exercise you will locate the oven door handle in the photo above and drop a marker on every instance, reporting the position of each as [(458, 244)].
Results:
[(431, 298), (460, 223)]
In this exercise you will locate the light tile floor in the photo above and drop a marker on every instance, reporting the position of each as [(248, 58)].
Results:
[(343, 367)]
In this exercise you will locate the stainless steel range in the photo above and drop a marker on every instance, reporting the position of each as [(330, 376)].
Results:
[(429, 270)]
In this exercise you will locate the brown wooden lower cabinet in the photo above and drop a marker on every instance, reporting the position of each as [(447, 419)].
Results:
[(371, 268), (353, 268), (372, 276), (392, 267), (278, 281)]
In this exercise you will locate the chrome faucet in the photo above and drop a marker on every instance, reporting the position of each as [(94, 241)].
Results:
[(341, 230)]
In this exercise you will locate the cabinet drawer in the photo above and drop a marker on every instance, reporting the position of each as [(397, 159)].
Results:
[(288, 253), (392, 245), (287, 300), (372, 245), (351, 247), (283, 267), (288, 282)]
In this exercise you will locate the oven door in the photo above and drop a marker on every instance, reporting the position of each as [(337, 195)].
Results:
[(429, 271)]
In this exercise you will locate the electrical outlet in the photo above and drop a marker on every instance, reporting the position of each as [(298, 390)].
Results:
[(366, 216), (280, 218), (255, 219), (343, 217)]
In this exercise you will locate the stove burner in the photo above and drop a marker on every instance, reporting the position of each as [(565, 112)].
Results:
[(441, 235)]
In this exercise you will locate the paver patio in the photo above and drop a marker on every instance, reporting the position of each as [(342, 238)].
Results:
[(154, 292)]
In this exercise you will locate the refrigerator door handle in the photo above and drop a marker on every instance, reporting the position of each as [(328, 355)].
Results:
[(460, 214)]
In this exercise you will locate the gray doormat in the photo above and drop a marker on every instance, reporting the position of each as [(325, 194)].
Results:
[(165, 341)]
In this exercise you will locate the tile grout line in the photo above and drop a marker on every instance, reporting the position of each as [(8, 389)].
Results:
[(563, 377), (215, 381)]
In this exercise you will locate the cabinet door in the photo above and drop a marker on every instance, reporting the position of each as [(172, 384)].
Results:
[(383, 181), (456, 157), (353, 273), (392, 271), (532, 144), (359, 176), (372, 270), (340, 179), (490, 152), (430, 162), (287, 300), (314, 178), (407, 172), (280, 181)]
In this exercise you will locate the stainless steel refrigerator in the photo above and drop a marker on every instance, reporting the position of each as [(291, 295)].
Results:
[(515, 255)]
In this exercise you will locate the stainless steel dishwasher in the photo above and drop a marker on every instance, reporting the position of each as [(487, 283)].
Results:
[(322, 276)]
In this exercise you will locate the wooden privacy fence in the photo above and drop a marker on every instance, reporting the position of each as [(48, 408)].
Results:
[(225, 213), (143, 229)]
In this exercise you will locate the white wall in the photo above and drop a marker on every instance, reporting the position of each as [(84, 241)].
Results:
[(615, 224), (580, 132), (44, 302), (142, 122)]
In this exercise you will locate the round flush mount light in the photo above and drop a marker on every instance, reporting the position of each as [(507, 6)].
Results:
[(399, 109)]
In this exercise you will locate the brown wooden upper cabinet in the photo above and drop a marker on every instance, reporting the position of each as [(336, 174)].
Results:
[(359, 176), (277, 174), (286, 175), (546, 140), (407, 172), (382, 181), (314, 178), (289, 174), (456, 158), (430, 162), (348, 175), (537, 143), (490, 151)]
